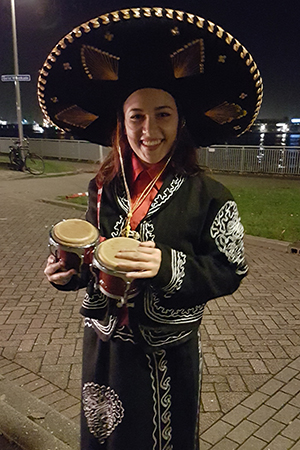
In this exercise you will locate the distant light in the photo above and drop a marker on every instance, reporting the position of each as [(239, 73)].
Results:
[(3, 122), (263, 128), (46, 123), (295, 120), (37, 128), (282, 126)]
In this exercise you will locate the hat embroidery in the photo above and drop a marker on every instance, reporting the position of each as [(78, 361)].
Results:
[(189, 60), (99, 65), (76, 116), (222, 59), (175, 31), (226, 113), (67, 66), (108, 36)]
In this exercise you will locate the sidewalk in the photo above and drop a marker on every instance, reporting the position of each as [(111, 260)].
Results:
[(251, 340)]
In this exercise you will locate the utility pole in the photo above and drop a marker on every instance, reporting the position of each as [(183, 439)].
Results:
[(17, 82)]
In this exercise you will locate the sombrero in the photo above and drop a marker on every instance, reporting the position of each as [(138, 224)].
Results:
[(92, 70)]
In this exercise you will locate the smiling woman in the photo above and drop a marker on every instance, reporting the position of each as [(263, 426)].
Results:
[(153, 83), (151, 124)]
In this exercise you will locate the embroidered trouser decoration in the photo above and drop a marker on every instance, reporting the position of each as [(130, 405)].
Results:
[(103, 410), (162, 431)]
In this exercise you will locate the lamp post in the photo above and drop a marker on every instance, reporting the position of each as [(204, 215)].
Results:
[(17, 83)]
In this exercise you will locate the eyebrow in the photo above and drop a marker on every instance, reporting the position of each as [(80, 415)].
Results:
[(158, 108)]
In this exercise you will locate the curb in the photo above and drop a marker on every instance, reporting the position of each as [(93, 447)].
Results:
[(271, 244), (32, 424), (64, 204)]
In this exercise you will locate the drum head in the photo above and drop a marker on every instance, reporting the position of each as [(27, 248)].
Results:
[(75, 233), (107, 250)]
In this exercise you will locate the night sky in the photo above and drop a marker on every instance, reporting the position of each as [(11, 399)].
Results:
[(269, 29)]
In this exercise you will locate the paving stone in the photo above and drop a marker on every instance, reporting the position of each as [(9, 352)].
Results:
[(236, 415), (216, 432), (225, 444), (280, 443), (262, 414), (286, 414), (204, 445), (242, 431), (269, 430), (278, 400), (292, 387), (293, 430), (271, 386), (255, 400), (252, 444)]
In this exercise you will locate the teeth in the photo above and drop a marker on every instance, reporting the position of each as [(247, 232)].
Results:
[(149, 143)]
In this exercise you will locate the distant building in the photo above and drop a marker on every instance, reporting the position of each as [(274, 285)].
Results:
[(271, 132)]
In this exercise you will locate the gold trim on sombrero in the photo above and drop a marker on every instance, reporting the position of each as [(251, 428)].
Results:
[(76, 116), (99, 65), (189, 60), (226, 113)]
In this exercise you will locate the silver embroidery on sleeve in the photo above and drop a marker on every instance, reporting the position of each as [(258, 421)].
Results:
[(228, 231), (178, 260), (96, 301), (162, 431), (102, 408), (97, 325), (157, 312)]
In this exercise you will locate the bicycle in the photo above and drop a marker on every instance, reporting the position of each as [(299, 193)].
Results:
[(32, 162)]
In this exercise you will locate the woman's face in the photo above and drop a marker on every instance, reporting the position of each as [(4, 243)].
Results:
[(151, 123)]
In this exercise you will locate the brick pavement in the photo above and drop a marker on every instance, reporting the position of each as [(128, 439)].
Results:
[(251, 339)]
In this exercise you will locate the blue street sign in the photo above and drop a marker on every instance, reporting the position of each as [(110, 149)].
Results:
[(15, 77)]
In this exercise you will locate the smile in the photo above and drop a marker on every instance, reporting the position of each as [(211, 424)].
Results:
[(151, 143)]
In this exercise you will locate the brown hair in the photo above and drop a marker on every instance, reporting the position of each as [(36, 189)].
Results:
[(183, 162)]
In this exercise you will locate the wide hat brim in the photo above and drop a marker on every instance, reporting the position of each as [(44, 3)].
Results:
[(92, 70)]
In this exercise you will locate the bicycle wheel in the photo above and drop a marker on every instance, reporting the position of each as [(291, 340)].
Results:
[(12, 155), (15, 159), (34, 164)]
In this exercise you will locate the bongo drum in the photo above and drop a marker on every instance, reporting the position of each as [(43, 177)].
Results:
[(73, 241), (113, 282)]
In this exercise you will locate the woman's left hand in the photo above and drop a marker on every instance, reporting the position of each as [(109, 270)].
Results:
[(141, 263)]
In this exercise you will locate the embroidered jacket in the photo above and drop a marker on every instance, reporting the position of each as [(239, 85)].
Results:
[(195, 223)]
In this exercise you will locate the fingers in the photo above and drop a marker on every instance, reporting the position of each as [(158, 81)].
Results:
[(141, 263), (149, 244), (56, 273)]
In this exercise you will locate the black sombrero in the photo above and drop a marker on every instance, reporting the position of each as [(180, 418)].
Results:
[(92, 70)]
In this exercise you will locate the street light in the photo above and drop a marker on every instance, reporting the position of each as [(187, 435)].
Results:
[(16, 81)]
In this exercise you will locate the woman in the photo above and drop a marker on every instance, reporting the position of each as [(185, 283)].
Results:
[(142, 360)]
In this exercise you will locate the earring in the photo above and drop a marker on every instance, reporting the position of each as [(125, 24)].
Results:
[(183, 123)]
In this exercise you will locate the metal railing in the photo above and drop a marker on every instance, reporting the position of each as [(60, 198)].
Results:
[(281, 160), (61, 149), (251, 159)]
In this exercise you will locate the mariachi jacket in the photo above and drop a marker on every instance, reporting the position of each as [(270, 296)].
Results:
[(195, 223)]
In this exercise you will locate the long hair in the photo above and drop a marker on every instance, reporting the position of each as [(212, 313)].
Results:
[(184, 160)]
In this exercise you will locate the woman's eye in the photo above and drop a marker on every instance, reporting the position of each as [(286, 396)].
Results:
[(164, 114), (136, 117)]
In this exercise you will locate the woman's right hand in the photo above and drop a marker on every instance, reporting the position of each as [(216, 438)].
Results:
[(56, 273)]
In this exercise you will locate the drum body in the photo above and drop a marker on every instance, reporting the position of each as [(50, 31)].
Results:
[(73, 241), (113, 282)]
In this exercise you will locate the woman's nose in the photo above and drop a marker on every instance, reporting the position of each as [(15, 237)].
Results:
[(149, 126)]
